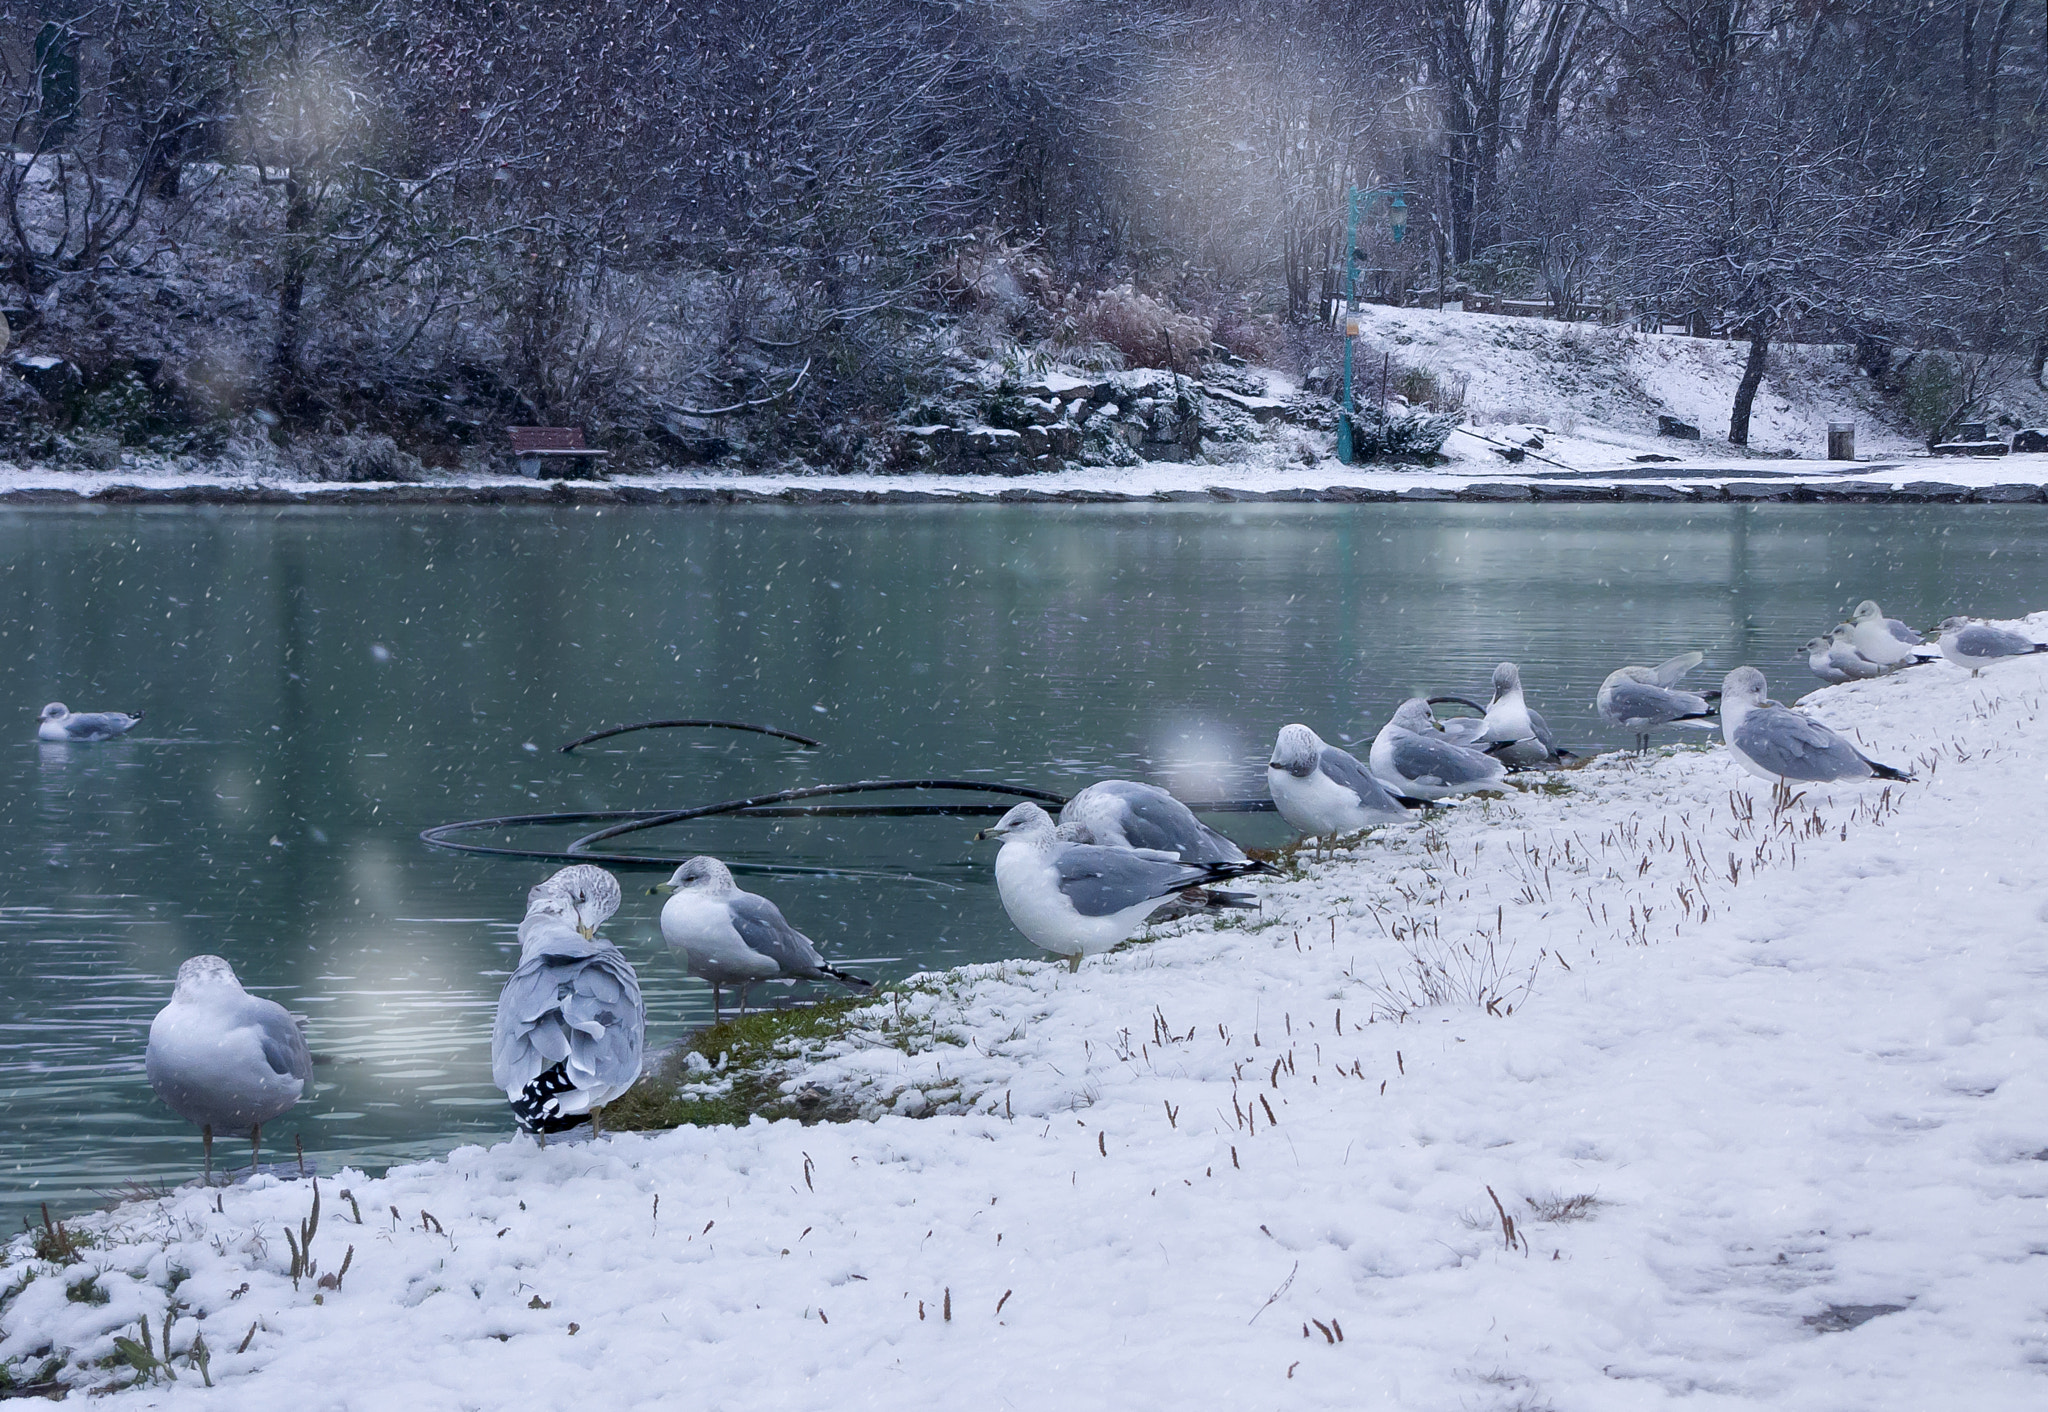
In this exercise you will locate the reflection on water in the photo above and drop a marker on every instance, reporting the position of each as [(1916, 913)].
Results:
[(323, 684)]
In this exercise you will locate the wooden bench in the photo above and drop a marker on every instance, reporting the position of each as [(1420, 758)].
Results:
[(559, 448)]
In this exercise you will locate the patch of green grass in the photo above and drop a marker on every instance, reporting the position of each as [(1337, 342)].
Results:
[(756, 1048), (87, 1291)]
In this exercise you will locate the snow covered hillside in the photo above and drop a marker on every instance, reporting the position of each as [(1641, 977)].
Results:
[(1629, 1088), (1608, 386)]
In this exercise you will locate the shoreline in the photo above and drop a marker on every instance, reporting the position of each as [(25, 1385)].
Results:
[(491, 494), (1745, 1076)]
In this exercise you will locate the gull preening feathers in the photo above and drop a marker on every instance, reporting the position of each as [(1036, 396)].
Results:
[(1976, 645), (730, 937), (1411, 754), (1774, 742), (1077, 899), (60, 722), (1324, 791), (1834, 659), (1639, 698), (224, 1059), (571, 1025)]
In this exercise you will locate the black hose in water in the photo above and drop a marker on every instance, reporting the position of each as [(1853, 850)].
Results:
[(802, 740)]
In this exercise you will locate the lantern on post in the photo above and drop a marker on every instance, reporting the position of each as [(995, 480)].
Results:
[(1397, 226)]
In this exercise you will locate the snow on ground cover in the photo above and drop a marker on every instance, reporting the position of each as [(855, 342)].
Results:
[(1746, 1076), (1595, 391)]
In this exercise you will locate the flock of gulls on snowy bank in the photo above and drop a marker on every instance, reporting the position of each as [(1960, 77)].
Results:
[(571, 1024)]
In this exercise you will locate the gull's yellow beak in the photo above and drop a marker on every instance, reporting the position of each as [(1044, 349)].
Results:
[(985, 834), (587, 933), (662, 889)]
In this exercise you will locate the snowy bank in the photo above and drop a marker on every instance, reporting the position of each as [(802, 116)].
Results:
[(1627, 1088)]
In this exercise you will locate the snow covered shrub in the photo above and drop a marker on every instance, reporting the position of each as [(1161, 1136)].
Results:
[(1400, 433), (1140, 327)]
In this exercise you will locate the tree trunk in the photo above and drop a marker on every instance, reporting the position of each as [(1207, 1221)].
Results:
[(291, 294), (1752, 377)]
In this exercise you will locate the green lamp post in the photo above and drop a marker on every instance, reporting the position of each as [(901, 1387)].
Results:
[(1397, 226)]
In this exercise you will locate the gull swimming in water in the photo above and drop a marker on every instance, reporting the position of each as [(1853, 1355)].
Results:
[(1885, 641), (571, 1025), (1976, 645), (1077, 899), (60, 722), (1774, 742), (1638, 698), (1411, 754), (1126, 814), (730, 937), (224, 1059), (1324, 791)]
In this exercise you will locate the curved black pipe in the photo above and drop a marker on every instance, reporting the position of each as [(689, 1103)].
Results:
[(802, 740), (783, 796), (1457, 701)]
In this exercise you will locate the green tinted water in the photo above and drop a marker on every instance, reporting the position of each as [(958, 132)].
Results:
[(321, 685)]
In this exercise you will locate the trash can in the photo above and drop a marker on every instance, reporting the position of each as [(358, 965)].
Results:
[(1841, 441)]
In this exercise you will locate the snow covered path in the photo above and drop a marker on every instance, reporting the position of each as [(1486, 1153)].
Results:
[(1776, 1069)]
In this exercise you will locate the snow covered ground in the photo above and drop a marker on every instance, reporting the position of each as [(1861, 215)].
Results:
[(1590, 394), (1627, 1090)]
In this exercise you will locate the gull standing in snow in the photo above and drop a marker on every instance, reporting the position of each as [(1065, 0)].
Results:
[(1975, 645), (1885, 641), (1412, 755), (60, 722), (1774, 742), (1126, 814), (1638, 698), (224, 1059), (1324, 791), (730, 937), (571, 1025), (1514, 732), (1077, 899)]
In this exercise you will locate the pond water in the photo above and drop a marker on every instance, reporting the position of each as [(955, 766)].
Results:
[(321, 685)]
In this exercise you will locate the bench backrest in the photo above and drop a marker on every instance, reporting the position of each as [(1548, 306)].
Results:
[(546, 438)]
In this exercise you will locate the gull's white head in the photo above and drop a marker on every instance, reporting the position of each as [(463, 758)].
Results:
[(1947, 625), (703, 874), (205, 973), (1507, 677), (1818, 646), (1744, 687), (1414, 715), (1867, 612), (1298, 751), (591, 895), (1024, 821), (56, 711)]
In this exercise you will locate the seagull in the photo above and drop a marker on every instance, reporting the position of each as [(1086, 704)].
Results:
[(1637, 698), (1411, 754), (1776, 743), (1514, 732), (729, 937), (571, 1025), (1978, 645), (223, 1058), (1181, 904), (1839, 660), (1126, 814), (1324, 791), (60, 722), (1885, 641), (1077, 899)]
